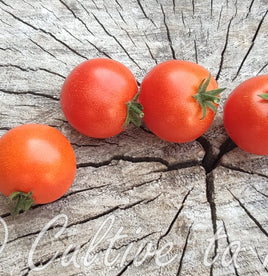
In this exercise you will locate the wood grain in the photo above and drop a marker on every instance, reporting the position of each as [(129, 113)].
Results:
[(157, 193)]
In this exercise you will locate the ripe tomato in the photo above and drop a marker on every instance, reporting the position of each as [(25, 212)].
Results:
[(98, 97), (246, 115), (35, 160), (177, 105)]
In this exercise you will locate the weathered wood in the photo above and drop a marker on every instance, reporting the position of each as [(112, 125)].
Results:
[(156, 193)]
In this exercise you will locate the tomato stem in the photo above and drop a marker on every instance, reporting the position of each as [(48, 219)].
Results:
[(24, 201), (264, 96), (134, 112), (207, 98)]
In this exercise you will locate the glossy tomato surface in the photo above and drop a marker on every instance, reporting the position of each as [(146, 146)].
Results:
[(36, 158), (170, 111), (94, 97), (246, 115)]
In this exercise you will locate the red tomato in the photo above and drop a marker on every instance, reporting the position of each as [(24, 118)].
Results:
[(246, 115), (177, 105), (95, 95), (36, 159)]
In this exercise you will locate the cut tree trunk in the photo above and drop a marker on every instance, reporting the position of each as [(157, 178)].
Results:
[(138, 205)]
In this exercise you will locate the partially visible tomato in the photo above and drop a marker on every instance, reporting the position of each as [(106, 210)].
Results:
[(37, 164), (96, 97), (179, 100), (246, 115)]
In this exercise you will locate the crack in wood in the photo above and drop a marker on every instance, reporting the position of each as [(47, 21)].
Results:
[(264, 66), (249, 214), (129, 36), (1, 20), (3, 2), (113, 209), (193, 6), (121, 15), (210, 162), (32, 69), (72, 35), (124, 158), (263, 194), (5, 128), (119, 5), (238, 169), (195, 51), (147, 159), (119, 26), (144, 13), (87, 145), (117, 41), (125, 268), (50, 11), (219, 19), (182, 19), (175, 217), (224, 48), (181, 165), (83, 190), (250, 7), (236, 8), (168, 33), (23, 236), (5, 215), (210, 192), (7, 49), (251, 46), (75, 16), (262, 262), (134, 241), (142, 184), (94, 3), (184, 251), (91, 44), (47, 33), (130, 263), (123, 245), (99, 49), (29, 4), (174, 5), (46, 51), (27, 105), (211, 8), (34, 93), (150, 52), (229, 246)]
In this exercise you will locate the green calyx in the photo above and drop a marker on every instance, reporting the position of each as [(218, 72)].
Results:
[(134, 112), (207, 98), (264, 96), (24, 201)]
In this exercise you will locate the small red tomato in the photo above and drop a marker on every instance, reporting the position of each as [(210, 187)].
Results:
[(179, 99), (246, 115), (98, 97), (37, 165)]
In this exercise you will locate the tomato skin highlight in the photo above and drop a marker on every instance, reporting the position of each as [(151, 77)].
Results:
[(94, 97), (170, 111), (37, 158), (246, 115)]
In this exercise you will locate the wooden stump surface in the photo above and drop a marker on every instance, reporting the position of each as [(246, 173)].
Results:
[(161, 203)]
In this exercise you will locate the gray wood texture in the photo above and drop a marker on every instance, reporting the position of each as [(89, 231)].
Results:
[(158, 194)]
